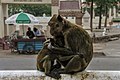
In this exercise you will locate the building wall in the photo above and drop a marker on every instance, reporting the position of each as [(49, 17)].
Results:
[(27, 1), (5, 30), (1, 22)]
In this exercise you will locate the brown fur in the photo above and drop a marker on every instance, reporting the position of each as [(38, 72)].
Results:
[(57, 41), (76, 52), (76, 38), (40, 56)]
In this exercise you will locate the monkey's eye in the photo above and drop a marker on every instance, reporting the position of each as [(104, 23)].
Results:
[(57, 25)]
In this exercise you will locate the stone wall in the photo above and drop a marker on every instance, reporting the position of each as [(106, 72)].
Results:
[(36, 75)]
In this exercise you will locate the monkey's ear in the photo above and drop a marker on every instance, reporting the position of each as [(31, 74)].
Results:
[(59, 18)]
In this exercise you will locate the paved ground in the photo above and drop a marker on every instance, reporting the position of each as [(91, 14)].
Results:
[(105, 63), (13, 61), (112, 31), (110, 48), (28, 62), (110, 60)]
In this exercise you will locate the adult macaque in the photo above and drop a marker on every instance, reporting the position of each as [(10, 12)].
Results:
[(77, 51)]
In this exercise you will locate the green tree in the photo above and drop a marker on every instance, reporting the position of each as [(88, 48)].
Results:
[(91, 13), (109, 4), (102, 5), (36, 10)]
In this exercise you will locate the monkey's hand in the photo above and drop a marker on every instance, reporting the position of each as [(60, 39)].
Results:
[(50, 46), (80, 54), (46, 42)]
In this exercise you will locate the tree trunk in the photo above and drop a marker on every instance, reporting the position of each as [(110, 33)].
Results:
[(100, 17), (91, 17), (105, 25)]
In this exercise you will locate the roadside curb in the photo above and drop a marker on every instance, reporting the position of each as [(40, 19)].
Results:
[(106, 38)]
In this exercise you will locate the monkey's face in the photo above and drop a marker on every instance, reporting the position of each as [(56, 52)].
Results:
[(56, 25)]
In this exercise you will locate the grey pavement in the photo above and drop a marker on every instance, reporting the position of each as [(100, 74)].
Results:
[(17, 63), (97, 63), (105, 63), (111, 48)]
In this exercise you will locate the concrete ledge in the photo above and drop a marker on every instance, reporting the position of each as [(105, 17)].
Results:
[(36, 75), (106, 38)]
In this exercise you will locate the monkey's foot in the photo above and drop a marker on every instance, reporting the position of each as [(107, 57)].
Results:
[(54, 74), (62, 71), (55, 67), (40, 69)]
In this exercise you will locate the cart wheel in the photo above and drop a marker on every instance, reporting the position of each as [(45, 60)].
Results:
[(28, 48), (20, 52)]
